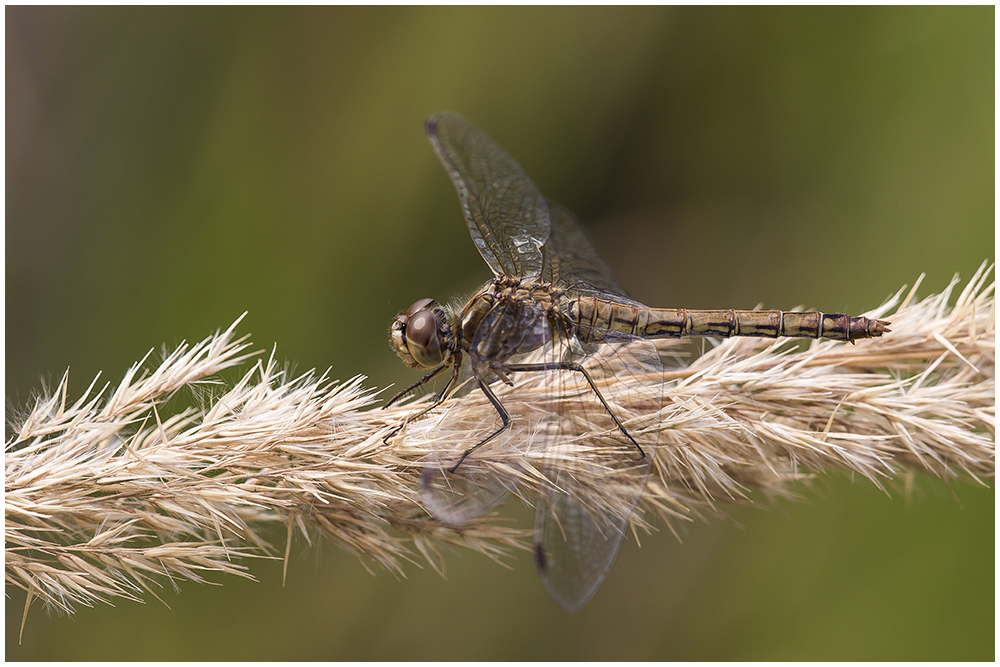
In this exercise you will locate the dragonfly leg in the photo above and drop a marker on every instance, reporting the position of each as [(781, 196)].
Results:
[(424, 380), (504, 417), (569, 366), (436, 402)]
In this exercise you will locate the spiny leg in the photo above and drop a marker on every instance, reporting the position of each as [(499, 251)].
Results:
[(436, 402), (570, 366), (504, 417), (424, 380)]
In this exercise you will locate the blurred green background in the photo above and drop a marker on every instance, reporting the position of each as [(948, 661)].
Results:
[(169, 168)]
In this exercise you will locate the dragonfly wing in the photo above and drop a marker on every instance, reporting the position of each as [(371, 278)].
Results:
[(571, 261), (594, 474), (507, 215), (456, 498)]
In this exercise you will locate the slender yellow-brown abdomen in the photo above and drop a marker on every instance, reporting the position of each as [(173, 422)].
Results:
[(593, 316)]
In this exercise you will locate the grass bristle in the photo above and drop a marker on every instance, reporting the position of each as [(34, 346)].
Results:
[(113, 494)]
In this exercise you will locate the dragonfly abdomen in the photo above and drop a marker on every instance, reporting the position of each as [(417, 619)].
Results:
[(593, 315)]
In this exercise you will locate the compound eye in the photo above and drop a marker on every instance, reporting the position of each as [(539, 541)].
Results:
[(423, 304), (420, 328), (422, 339)]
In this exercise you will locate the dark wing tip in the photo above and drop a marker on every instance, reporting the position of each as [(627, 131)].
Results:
[(431, 124), (541, 561)]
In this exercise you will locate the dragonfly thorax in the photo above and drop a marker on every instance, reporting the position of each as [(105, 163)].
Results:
[(506, 317), (422, 336)]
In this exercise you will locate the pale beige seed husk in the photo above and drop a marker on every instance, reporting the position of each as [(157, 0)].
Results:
[(118, 492)]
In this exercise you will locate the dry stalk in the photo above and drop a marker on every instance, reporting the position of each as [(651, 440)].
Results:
[(110, 495)]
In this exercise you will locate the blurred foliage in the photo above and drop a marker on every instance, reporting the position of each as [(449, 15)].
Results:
[(169, 168)]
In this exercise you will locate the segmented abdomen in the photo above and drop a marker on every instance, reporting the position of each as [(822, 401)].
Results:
[(592, 316)]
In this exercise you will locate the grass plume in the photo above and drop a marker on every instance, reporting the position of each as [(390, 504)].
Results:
[(117, 492)]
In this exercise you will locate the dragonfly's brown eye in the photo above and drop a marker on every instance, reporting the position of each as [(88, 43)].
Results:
[(422, 304), (422, 339)]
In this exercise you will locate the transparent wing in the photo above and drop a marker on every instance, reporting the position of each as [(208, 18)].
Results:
[(594, 474), (456, 495), (456, 498), (571, 261), (507, 215), (481, 482)]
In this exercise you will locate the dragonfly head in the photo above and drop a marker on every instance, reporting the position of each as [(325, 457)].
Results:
[(422, 334)]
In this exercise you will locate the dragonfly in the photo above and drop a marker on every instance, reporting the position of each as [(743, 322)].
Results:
[(554, 315)]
